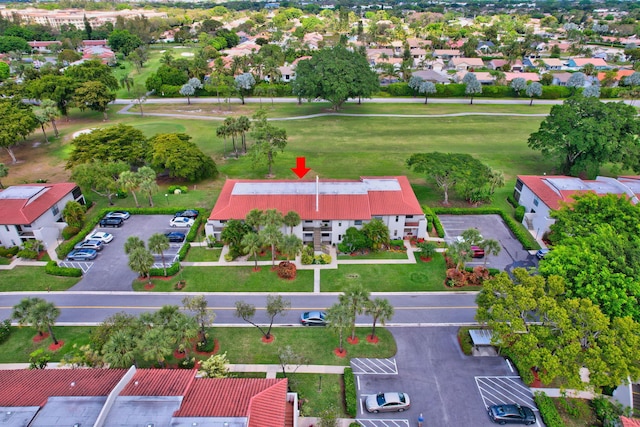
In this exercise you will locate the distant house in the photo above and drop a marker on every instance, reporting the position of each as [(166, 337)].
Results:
[(327, 207), (143, 397), (551, 64), (432, 76), (446, 54), (540, 195), (578, 63), (484, 77), (106, 55), (485, 46), (530, 77), (287, 74), (619, 76), (33, 211), (464, 64), (94, 43), (561, 79), (43, 46), (497, 64)]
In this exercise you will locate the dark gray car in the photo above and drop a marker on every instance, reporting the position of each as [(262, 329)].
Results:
[(511, 414)]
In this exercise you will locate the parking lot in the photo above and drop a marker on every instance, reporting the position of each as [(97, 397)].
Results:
[(511, 255), (447, 387), (110, 270)]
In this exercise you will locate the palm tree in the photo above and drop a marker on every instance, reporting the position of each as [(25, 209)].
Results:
[(272, 236), (354, 298), (185, 329), (230, 124), (42, 120), (291, 219), (380, 309), (459, 252), (120, 349), (491, 247), (291, 246), (254, 219), (167, 58), (126, 82), (222, 131), (339, 319), (157, 344), (243, 125), (158, 243), (49, 109), (148, 183), (252, 245), (272, 217), (130, 181), (141, 261), (44, 314), (133, 243)]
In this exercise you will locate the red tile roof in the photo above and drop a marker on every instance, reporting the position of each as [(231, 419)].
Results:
[(268, 408), (545, 192), (231, 397), (331, 206), (159, 382), (630, 422), (26, 211), (620, 74), (33, 387)]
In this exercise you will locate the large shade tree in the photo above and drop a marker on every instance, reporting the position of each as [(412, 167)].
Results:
[(110, 144), (269, 140), (335, 74), (18, 121), (100, 177), (585, 133), (176, 153)]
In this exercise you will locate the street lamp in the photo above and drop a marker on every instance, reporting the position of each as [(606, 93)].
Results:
[(166, 197)]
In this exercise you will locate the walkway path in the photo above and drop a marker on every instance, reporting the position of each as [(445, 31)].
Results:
[(22, 262)]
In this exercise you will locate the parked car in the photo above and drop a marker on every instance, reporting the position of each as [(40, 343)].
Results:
[(175, 237), (542, 253), (477, 252), (388, 402), (100, 235), (111, 222), (118, 214), (313, 318), (181, 221), (191, 213), (96, 245), (511, 414), (82, 255)]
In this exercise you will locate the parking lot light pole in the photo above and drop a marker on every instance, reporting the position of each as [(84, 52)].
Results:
[(166, 197)]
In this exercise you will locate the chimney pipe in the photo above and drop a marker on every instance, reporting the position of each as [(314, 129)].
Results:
[(317, 193)]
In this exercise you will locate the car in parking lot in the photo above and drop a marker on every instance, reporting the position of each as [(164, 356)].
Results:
[(96, 245), (388, 402), (181, 221), (82, 255), (190, 213), (511, 414), (111, 222), (542, 253), (313, 318), (118, 214), (100, 235), (175, 237), (477, 252)]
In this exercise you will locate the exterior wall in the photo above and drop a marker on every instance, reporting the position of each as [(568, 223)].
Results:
[(9, 236), (537, 217)]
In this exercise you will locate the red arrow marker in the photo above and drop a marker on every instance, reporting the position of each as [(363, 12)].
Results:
[(300, 169)]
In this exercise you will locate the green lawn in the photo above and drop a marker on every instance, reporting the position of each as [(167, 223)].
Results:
[(232, 279), (201, 254), (374, 255), (423, 276), (33, 279), (5, 261), (242, 345), (318, 393)]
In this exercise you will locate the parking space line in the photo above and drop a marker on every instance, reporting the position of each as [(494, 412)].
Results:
[(378, 422), (374, 366), (84, 266), (498, 389)]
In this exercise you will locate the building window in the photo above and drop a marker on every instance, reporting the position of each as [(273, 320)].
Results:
[(519, 185), (409, 216), (535, 202), (516, 195), (357, 222), (76, 192), (223, 221), (339, 224), (54, 210), (395, 233), (397, 218), (339, 237), (6, 227), (306, 221)]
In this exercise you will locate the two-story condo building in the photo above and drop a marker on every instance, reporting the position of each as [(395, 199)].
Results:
[(327, 208), (34, 211)]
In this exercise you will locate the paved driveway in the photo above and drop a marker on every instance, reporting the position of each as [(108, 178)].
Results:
[(511, 255), (110, 270), (442, 382)]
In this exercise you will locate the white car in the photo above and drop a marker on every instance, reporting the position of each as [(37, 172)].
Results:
[(118, 214), (100, 235), (181, 221)]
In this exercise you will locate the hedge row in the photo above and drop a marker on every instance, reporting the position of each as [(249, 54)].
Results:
[(350, 399), (432, 218), (548, 410), (518, 230), (9, 252), (492, 271), (279, 90), (53, 269), (172, 270)]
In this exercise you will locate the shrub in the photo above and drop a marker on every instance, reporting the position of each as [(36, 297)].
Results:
[(286, 270), (548, 410), (466, 345), (69, 231), (427, 249), (519, 213), (28, 254), (9, 252), (184, 250), (177, 189), (172, 270), (5, 330), (307, 255), (607, 412), (350, 400), (512, 201), (53, 269)]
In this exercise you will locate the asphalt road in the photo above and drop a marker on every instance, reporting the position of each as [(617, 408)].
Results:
[(424, 309)]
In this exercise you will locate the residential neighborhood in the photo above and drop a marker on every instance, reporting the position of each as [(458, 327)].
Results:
[(319, 214)]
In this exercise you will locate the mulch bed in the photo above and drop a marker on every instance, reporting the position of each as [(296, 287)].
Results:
[(353, 341), (268, 340), (148, 287), (373, 339), (339, 353), (425, 259), (56, 347), (39, 337), (216, 348)]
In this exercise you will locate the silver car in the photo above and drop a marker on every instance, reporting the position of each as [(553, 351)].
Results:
[(388, 402), (90, 244)]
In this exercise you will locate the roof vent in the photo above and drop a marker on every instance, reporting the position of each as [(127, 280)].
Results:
[(73, 384), (136, 383)]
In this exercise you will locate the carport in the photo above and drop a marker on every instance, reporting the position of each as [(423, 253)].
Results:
[(481, 339)]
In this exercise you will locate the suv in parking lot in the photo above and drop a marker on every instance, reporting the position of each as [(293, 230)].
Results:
[(90, 244), (111, 222)]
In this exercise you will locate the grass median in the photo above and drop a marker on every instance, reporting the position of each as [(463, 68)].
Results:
[(25, 278)]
